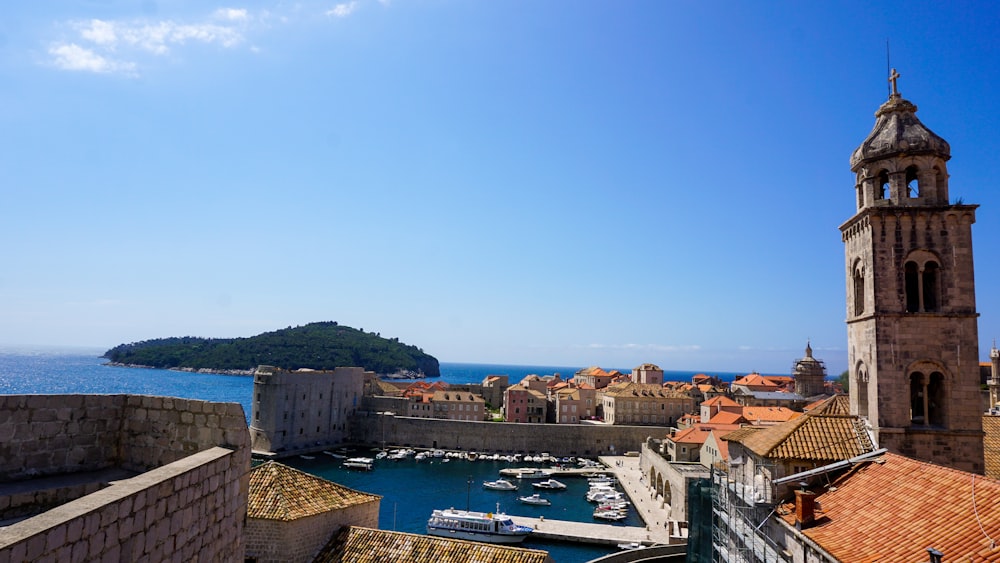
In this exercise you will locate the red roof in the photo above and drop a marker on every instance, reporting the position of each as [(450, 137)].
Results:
[(894, 508)]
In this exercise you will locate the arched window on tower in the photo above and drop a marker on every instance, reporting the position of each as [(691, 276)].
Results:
[(927, 399), (912, 184), (859, 288), (882, 188), (918, 398), (861, 382), (930, 278), (920, 278), (912, 279)]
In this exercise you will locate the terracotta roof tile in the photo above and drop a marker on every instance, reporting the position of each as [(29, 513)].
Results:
[(837, 404), (354, 544), (739, 435), (279, 492), (769, 414), (895, 508), (754, 380), (812, 437), (991, 445), (720, 400), (726, 417)]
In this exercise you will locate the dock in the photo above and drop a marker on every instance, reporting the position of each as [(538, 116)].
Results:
[(583, 532)]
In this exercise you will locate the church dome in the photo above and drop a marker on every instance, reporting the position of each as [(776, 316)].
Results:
[(897, 132)]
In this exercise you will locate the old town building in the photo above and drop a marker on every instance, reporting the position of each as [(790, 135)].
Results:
[(638, 403)]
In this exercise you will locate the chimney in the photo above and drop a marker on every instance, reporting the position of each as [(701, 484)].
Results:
[(805, 502), (935, 555)]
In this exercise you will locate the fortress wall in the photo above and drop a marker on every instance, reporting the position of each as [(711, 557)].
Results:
[(192, 509), (44, 435), (190, 496), (556, 439), (53, 434)]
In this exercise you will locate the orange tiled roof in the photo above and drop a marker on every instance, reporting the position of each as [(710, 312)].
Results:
[(739, 435), (593, 370), (754, 380), (991, 445), (837, 404), (809, 437), (279, 492), (769, 414), (726, 417), (698, 433), (894, 508), (720, 400), (365, 545)]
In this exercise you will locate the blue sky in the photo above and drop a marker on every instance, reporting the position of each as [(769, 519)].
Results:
[(550, 183)]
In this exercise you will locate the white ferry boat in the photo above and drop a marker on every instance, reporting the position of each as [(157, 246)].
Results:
[(489, 527), (363, 463)]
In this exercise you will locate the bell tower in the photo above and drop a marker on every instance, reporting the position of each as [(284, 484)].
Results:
[(912, 325)]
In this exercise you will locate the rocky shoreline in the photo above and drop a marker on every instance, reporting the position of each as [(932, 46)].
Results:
[(188, 370)]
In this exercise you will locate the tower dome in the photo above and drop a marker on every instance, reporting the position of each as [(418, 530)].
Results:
[(901, 162), (898, 132)]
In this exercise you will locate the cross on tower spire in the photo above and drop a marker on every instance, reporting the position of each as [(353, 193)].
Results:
[(892, 78)]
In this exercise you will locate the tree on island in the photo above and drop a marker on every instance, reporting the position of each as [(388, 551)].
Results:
[(322, 345)]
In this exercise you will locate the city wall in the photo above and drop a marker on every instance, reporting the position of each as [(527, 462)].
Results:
[(179, 485), (557, 439)]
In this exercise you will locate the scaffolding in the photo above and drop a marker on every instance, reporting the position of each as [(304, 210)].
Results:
[(743, 502)]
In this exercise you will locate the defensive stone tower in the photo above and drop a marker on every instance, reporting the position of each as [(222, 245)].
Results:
[(913, 345)]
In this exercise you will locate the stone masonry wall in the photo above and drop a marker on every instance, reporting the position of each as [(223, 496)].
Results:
[(270, 541), (190, 496), (556, 439), (192, 509)]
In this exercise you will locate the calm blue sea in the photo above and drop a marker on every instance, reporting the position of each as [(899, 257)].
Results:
[(410, 489)]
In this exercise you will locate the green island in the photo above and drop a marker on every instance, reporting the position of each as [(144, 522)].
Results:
[(322, 345)]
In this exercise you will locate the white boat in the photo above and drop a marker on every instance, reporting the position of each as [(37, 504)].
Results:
[(438, 453), (499, 485), (613, 515), (304, 456), (364, 463), (533, 474), (534, 499), (549, 484), (489, 527), (630, 545)]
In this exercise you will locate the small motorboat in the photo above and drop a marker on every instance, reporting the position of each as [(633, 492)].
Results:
[(307, 457), (499, 485), (551, 484), (630, 545), (534, 499), (613, 515)]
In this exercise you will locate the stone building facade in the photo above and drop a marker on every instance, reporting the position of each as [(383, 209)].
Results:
[(639, 403), (122, 478), (304, 409), (913, 345), (809, 375)]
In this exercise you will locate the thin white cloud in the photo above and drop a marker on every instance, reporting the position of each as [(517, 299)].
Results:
[(232, 14), (343, 10), (74, 57)]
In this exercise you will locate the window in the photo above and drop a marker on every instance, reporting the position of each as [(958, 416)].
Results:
[(859, 288), (882, 183), (927, 399), (920, 275), (912, 184)]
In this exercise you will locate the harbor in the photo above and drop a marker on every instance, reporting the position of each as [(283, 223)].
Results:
[(566, 528)]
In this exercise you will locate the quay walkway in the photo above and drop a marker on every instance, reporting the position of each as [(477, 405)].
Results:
[(583, 532), (659, 529)]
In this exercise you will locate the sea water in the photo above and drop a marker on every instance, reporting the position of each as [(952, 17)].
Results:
[(410, 489)]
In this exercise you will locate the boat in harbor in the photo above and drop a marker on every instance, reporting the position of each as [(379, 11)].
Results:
[(533, 474), (535, 499), (363, 463), (499, 485), (550, 484), (489, 527)]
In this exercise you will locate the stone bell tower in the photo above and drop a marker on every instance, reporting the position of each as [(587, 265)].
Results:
[(912, 332)]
